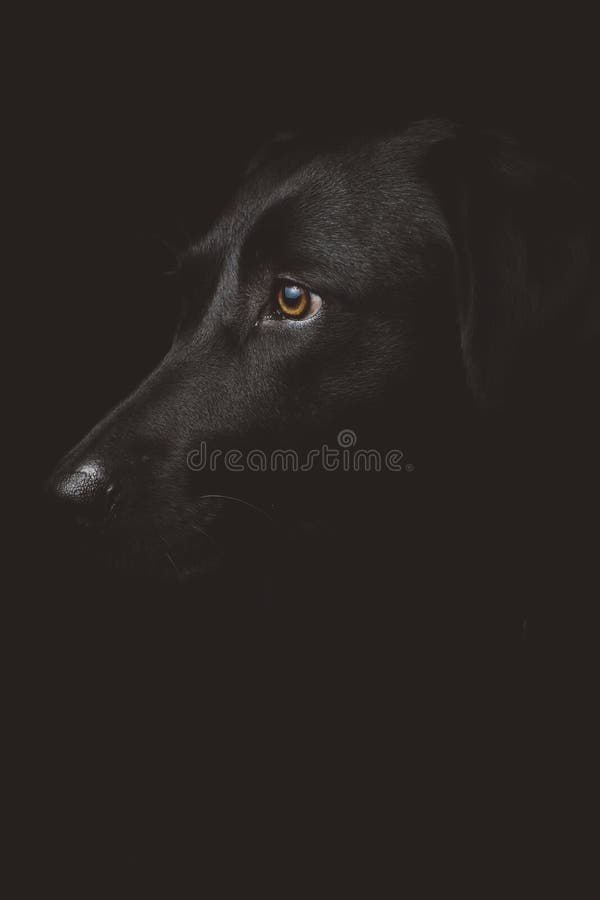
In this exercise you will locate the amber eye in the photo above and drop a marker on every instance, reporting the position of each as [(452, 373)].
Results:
[(293, 300)]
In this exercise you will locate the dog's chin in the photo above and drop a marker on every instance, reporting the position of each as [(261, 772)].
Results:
[(99, 563), (180, 564), (187, 568)]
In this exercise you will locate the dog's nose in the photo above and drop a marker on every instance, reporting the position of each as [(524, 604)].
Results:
[(87, 493)]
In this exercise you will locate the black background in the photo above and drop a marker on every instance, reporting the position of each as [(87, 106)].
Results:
[(129, 135)]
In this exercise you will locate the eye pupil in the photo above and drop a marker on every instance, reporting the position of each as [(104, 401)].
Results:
[(293, 300), (292, 293)]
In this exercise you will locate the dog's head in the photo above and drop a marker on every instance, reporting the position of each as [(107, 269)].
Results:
[(380, 286)]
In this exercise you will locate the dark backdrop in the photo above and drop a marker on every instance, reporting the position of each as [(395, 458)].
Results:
[(130, 134)]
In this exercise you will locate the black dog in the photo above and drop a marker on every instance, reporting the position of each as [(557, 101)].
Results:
[(431, 292)]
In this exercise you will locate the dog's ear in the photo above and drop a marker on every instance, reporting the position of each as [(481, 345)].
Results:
[(523, 259)]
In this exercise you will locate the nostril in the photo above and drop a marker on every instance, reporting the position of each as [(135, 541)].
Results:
[(86, 492)]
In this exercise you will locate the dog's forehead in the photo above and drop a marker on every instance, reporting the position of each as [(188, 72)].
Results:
[(345, 203), (331, 184)]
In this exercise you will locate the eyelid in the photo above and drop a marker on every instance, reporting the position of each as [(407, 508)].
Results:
[(306, 283), (292, 279), (316, 282)]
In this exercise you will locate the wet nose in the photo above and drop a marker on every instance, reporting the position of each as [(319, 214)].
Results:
[(86, 493)]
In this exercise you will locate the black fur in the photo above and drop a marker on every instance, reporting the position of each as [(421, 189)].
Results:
[(460, 315)]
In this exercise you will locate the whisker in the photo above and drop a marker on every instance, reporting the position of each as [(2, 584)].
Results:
[(206, 535), (168, 556), (247, 503)]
